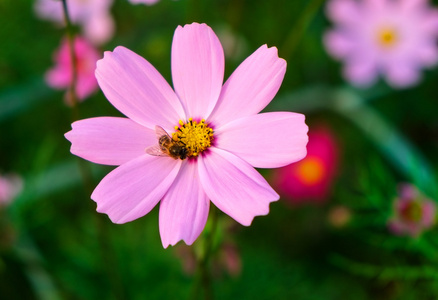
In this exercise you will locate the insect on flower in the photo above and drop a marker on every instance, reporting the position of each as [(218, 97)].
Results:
[(167, 146)]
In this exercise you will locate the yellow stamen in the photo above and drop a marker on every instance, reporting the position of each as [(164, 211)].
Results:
[(194, 136), (387, 37)]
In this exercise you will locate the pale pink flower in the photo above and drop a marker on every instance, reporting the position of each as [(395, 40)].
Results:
[(393, 38), (413, 212), (61, 76), (10, 187), (147, 2), (221, 163), (310, 180), (92, 15)]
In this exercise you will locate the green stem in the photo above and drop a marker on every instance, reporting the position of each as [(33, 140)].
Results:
[(108, 256), (300, 28), (74, 72), (203, 271)]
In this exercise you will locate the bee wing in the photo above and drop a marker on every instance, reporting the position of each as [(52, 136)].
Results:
[(159, 131), (155, 150)]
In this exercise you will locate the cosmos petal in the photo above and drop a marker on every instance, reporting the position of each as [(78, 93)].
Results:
[(343, 11), (409, 6), (109, 140), (137, 90), (400, 74), (133, 189), (361, 71), (339, 44), (197, 68), (184, 208), (267, 140), (251, 86), (100, 28), (427, 55), (234, 186)]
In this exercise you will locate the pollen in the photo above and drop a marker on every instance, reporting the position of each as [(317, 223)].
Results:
[(387, 37), (195, 136)]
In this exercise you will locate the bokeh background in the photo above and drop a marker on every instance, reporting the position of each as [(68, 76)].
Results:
[(54, 245)]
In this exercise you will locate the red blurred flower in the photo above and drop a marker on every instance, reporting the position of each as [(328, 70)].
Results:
[(312, 177), (413, 212)]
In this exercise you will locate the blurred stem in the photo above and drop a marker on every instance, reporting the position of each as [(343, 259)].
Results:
[(74, 73), (203, 269), (108, 256), (298, 30)]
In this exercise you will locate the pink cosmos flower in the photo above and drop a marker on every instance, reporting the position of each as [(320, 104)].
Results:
[(394, 38), (218, 127), (60, 77), (92, 15), (413, 212), (10, 187), (312, 177)]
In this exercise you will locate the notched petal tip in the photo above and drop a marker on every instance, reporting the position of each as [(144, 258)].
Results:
[(248, 222), (109, 55)]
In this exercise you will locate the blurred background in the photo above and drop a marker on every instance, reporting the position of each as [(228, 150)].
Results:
[(356, 218)]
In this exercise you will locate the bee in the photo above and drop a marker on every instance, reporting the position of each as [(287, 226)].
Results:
[(167, 146)]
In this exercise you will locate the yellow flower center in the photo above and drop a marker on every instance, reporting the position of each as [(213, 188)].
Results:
[(194, 136), (311, 170), (387, 37), (413, 212)]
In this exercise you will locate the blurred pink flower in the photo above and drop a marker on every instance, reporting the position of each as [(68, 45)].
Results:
[(10, 187), (394, 38), (147, 2), (220, 163), (312, 177), (92, 15), (413, 212), (60, 76)]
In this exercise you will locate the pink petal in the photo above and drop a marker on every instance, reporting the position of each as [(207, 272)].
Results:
[(267, 140), (410, 6), (136, 89), (428, 24), (362, 71), (400, 74), (339, 44), (184, 209), (197, 68), (343, 11), (108, 140), (86, 85), (133, 189), (427, 54), (428, 214), (375, 7), (100, 28), (251, 86), (234, 186), (58, 77)]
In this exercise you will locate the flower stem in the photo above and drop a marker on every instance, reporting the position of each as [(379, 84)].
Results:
[(74, 72), (300, 28), (108, 256), (203, 272)]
